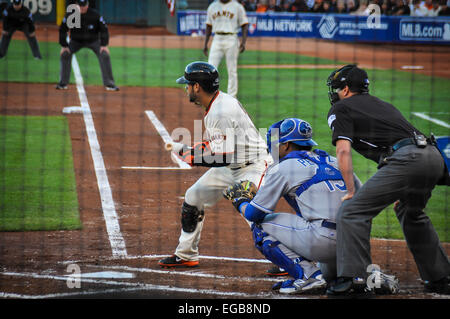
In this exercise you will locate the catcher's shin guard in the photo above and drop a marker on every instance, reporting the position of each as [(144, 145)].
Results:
[(190, 216), (272, 252)]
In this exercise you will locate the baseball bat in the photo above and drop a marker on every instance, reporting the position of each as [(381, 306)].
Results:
[(174, 146)]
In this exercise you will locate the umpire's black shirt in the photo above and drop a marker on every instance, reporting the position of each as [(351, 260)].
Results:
[(15, 19), (93, 27), (370, 124)]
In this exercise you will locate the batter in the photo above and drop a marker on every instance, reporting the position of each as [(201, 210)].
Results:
[(232, 147)]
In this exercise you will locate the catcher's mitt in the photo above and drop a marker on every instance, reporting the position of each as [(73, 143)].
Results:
[(241, 192)]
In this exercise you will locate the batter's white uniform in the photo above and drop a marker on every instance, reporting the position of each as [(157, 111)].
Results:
[(226, 19), (229, 130)]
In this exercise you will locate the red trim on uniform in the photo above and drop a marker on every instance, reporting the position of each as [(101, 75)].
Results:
[(212, 100)]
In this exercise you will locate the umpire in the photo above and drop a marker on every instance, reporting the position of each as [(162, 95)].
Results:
[(93, 34), (409, 167), (18, 17)]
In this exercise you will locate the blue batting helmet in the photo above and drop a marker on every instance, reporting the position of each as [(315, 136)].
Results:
[(292, 130)]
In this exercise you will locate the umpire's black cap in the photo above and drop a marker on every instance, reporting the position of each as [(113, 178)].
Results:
[(17, 1), (356, 79), (82, 2)]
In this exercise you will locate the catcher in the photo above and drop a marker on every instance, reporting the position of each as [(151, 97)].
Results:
[(312, 184)]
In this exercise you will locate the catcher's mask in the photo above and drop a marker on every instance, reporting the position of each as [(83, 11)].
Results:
[(350, 75), (202, 73), (292, 130)]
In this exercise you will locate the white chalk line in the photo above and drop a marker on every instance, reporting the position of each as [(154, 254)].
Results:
[(131, 257), (185, 273), (109, 211), (139, 285), (166, 138), (431, 119)]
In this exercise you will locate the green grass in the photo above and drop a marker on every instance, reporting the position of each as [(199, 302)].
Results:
[(37, 181), (268, 95)]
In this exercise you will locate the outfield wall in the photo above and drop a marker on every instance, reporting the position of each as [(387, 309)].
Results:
[(339, 27)]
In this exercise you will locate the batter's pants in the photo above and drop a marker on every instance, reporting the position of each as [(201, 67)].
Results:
[(103, 58), (228, 46), (207, 191), (409, 176), (32, 41)]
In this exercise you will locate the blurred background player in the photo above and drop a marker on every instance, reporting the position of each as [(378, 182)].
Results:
[(225, 18), (233, 148), (92, 34), (18, 17)]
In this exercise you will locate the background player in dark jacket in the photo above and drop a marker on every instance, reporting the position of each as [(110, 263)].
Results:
[(93, 34), (18, 17), (409, 167)]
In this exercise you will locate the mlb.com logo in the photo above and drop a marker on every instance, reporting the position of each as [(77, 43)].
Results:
[(424, 30)]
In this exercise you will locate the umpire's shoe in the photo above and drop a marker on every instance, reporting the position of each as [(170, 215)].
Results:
[(441, 286), (112, 88), (175, 261), (276, 271), (348, 287), (61, 87)]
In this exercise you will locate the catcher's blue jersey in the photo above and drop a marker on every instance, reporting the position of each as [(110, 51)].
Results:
[(309, 181)]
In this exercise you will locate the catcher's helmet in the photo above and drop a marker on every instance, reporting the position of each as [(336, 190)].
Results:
[(292, 130), (349, 75), (202, 73)]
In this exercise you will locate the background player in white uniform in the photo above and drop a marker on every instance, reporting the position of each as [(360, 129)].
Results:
[(225, 18), (311, 183), (233, 148)]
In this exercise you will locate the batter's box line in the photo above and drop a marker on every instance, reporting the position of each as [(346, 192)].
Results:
[(131, 257)]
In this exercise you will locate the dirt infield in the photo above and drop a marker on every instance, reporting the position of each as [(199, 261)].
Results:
[(148, 201)]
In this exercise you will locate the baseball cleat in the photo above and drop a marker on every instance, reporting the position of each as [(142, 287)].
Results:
[(61, 87), (302, 286), (276, 271), (175, 261), (112, 88)]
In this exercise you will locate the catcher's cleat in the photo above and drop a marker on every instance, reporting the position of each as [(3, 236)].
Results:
[(276, 271), (175, 261)]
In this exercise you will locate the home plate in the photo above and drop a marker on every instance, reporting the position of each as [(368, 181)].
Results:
[(72, 110), (108, 274)]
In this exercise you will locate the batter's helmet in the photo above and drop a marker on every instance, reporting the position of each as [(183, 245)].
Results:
[(17, 1), (350, 75), (202, 73), (292, 130)]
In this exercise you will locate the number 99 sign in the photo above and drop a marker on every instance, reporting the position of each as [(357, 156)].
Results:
[(43, 6)]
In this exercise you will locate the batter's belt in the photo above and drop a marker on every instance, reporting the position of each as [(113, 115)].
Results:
[(225, 33)]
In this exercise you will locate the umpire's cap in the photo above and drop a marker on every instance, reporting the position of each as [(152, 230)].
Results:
[(82, 2), (292, 130), (17, 1), (349, 75), (202, 73)]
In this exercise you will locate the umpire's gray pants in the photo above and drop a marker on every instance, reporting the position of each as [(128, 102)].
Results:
[(103, 58), (409, 175), (32, 41)]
